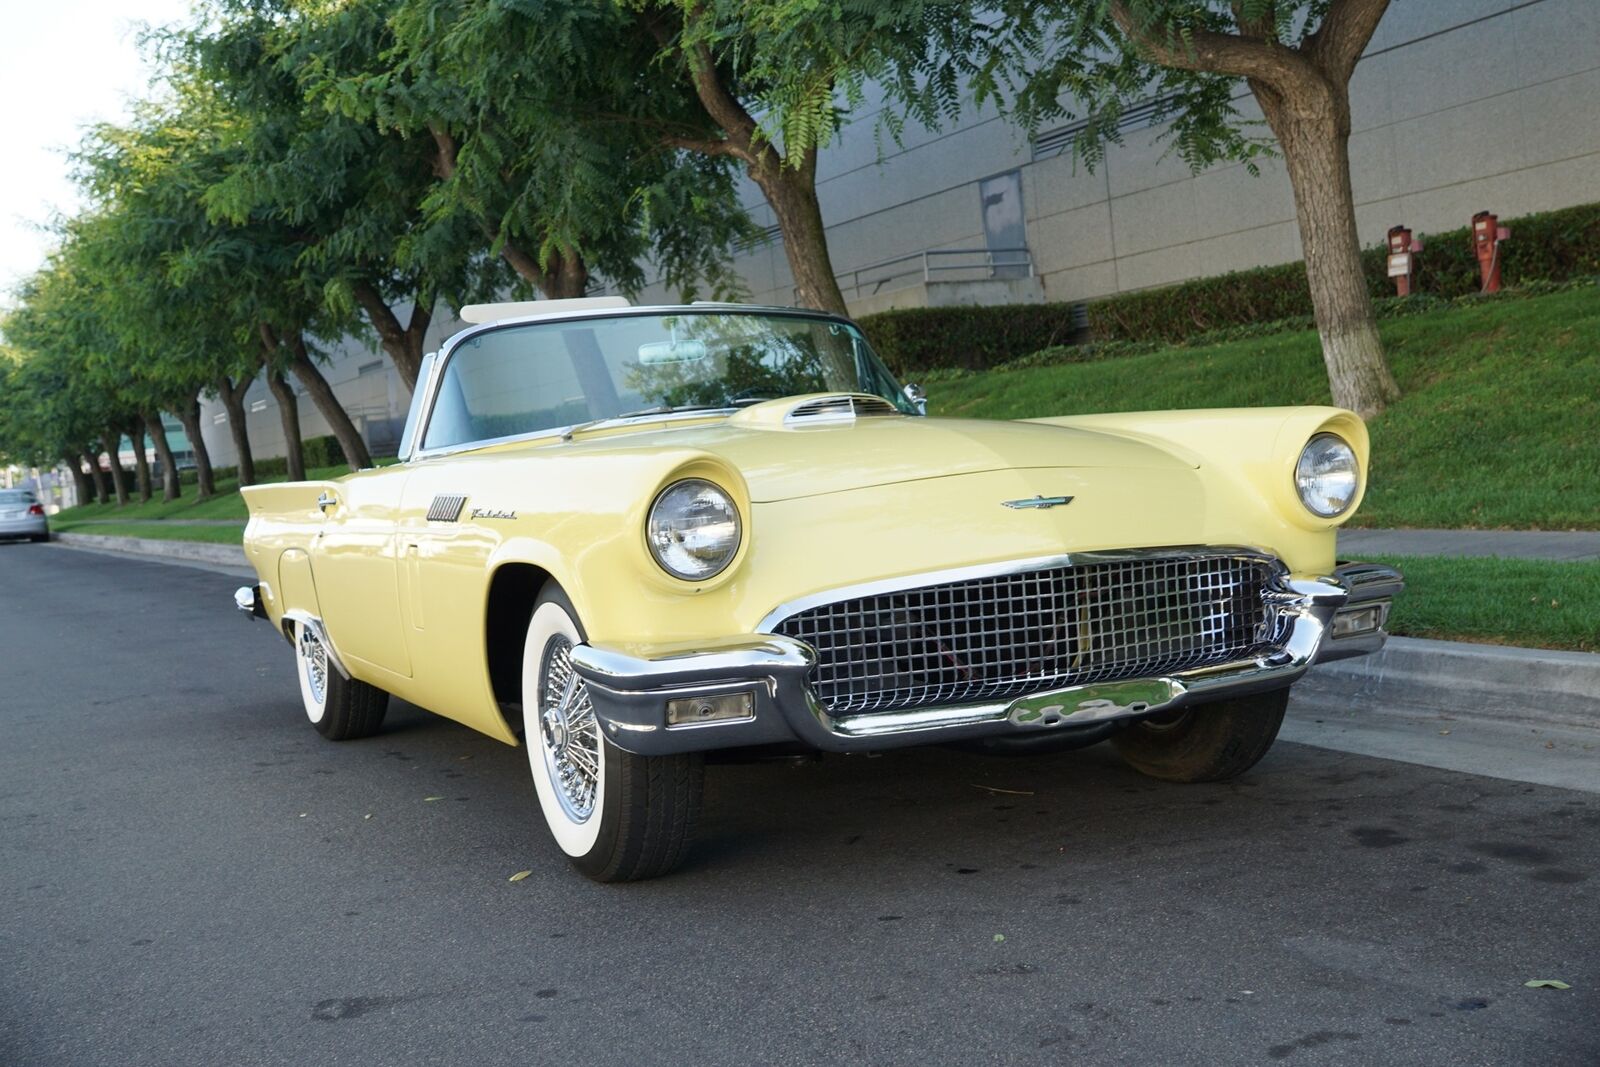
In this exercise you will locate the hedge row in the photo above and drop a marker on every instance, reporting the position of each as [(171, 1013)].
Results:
[(1550, 246), (1387, 307), (969, 338), (321, 451)]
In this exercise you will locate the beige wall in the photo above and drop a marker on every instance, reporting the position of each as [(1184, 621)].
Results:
[(1458, 106)]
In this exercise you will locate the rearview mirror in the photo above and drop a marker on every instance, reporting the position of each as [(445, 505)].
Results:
[(671, 352)]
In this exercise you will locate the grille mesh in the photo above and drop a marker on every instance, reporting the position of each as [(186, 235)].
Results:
[(1003, 636)]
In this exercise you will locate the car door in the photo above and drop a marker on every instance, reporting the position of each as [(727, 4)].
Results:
[(354, 561)]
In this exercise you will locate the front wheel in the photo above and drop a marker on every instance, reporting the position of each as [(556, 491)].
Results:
[(618, 817), (1206, 743), (341, 709)]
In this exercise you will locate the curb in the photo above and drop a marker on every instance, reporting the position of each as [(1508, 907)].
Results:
[(176, 551), (1525, 685)]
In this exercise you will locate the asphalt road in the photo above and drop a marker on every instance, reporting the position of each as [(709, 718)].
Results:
[(190, 875)]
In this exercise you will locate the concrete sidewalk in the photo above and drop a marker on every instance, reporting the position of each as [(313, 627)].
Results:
[(1572, 546)]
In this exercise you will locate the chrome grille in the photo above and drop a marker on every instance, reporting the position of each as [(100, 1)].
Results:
[(1001, 636)]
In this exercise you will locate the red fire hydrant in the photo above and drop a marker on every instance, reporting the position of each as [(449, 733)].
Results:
[(1402, 259), (1487, 233)]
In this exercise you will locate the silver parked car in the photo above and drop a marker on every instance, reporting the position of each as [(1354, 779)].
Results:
[(21, 515)]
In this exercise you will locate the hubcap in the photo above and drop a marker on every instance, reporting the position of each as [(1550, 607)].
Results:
[(315, 658), (569, 732)]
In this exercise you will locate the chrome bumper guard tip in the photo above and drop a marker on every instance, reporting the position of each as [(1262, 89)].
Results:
[(247, 598), (631, 687)]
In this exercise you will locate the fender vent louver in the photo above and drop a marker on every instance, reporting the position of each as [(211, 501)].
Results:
[(846, 407), (446, 507)]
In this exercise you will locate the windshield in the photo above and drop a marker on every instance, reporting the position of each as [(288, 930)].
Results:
[(520, 380)]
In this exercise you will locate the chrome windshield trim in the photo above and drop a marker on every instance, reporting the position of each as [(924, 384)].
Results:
[(1016, 566), (460, 337), (562, 431)]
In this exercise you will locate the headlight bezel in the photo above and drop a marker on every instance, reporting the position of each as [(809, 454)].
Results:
[(1300, 477), (658, 551)]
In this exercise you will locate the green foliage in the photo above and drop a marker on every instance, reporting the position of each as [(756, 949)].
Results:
[(323, 451), (1551, 246), (915, 340)]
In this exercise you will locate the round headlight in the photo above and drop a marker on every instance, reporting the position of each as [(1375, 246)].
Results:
[(693, 529), (1327, 476)]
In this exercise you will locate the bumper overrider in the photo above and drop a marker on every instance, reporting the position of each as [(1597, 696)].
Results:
[(756, 689)]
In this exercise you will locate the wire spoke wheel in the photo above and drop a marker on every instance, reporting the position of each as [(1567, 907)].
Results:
[(569, 733)]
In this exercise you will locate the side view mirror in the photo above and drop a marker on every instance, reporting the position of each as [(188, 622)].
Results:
[(918, 397)]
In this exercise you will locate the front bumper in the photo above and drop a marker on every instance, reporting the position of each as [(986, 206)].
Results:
[(1329, 617)]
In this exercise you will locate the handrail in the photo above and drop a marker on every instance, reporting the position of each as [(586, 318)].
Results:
[(988, 259)]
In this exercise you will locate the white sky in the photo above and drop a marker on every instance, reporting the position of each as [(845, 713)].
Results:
[(64, 64)]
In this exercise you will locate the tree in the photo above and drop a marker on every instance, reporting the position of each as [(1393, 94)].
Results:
[(1296, 56), (544, 120)]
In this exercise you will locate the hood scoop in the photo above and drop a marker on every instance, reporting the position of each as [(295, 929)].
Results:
[(817, 409)]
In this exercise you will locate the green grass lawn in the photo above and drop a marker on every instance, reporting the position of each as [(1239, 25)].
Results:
[(1498, 427), (217, 535), (1499, 601)]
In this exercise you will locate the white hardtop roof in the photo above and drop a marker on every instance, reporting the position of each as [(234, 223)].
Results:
[(517, 309)]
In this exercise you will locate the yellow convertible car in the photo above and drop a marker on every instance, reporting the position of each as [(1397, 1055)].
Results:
[(627, 536)]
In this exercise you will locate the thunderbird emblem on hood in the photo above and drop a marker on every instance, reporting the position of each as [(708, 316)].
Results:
[(1038, 502)]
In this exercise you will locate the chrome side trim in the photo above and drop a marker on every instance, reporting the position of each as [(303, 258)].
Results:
[(321, 631), (1014, 566)]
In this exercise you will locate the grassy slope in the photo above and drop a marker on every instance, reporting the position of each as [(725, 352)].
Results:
[(1499, 425), (217, 535)]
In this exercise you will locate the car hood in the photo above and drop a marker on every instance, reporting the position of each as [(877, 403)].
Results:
[(783, 463)]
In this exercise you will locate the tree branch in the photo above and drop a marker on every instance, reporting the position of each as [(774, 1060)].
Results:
[(444, 160), (1208, 52), (382, 317), (1346, 30)]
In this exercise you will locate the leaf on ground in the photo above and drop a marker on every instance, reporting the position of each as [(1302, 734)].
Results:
[(519, 876), (1546, 983), (429, 800), (999, 938)]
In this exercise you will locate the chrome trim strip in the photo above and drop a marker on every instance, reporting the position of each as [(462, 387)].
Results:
[(1015, 566), (305, 617)]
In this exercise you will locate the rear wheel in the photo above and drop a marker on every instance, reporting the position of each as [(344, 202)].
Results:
[(618, 817), (1206, 743), (341, 709)]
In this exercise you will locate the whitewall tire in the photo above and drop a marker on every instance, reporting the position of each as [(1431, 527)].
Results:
[(340, 708), (617, 816)]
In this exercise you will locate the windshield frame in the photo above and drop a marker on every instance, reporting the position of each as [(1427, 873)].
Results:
[(448, 350)]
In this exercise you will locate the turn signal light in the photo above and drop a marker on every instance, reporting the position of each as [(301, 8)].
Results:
[(725, 707)]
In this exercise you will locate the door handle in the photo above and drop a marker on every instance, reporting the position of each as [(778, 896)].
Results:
[(326, 501)]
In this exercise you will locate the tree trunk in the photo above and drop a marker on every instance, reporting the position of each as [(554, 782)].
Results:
[(170, 487), (189, 415), (81, 491), (232, 397), (321, 393), (119, 475), (402, 344), (792, 192), (289, 413), (91, 460), (1314, 134), (141, 462)]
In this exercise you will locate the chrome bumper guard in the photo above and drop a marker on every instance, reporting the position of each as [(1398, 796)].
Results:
[(1324, 617), (247, 598)]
